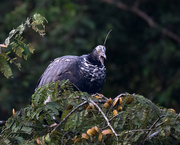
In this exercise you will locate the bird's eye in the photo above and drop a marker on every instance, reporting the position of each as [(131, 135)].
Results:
[(98, 51)]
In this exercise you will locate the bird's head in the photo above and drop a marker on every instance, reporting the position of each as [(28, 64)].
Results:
[(98, 54)]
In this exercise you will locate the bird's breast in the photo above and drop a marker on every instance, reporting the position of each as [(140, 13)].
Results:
[(92, 72)]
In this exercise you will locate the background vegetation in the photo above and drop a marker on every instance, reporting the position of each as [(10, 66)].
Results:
[(143, 52)]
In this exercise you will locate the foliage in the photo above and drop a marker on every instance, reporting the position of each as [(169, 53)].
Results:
[(19, 48), (140, 58), (81, 118)]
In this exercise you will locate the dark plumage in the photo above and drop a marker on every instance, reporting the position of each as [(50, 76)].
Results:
[(87, 72)]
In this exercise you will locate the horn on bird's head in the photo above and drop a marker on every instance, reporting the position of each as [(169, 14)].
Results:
[(107, 37)]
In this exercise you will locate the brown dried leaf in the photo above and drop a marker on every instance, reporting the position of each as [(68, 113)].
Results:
[(119, 108), (115, 112), (89, 132), (106, 105), (85, 136), (97, 129), (100, 137), (130, 99), (93, 131), (74, 138), (13, 111), (91, 138), (107, 131), (77, 140), (172, 110), (98, 97), (115, 101), (91, 106), (38, 141), (166, 120), (109, 101), (120, 100)]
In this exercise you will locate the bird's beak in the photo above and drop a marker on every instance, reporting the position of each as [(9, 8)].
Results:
[(102, 57)]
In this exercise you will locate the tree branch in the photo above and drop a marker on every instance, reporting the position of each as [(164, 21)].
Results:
[(77, 107), (107, 121), (152, 126), (135, 10)]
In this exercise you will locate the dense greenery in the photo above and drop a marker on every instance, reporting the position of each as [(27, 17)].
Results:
[(141, 57), (128, 118)]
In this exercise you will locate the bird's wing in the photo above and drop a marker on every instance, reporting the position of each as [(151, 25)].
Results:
[(61, 68)]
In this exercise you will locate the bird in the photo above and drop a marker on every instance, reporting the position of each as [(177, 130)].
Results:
[(87, 72)]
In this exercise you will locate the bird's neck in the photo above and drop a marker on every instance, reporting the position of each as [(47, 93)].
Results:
[(93, 60)]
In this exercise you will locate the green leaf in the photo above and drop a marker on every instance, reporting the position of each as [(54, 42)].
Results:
[(4, 66)]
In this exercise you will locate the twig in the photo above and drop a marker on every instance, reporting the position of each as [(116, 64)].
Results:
[(122, 94), (134, 9), (98, 101), (174, 137), (107, 121), (160, 124), (102, 96), (63, 137), (137, 130), (1, 141), (154, 134), (152, 126), (3, 130), (114, 116), (68, 115)]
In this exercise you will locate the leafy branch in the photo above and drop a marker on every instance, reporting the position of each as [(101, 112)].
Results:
[(18, 48), (77, 117)]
